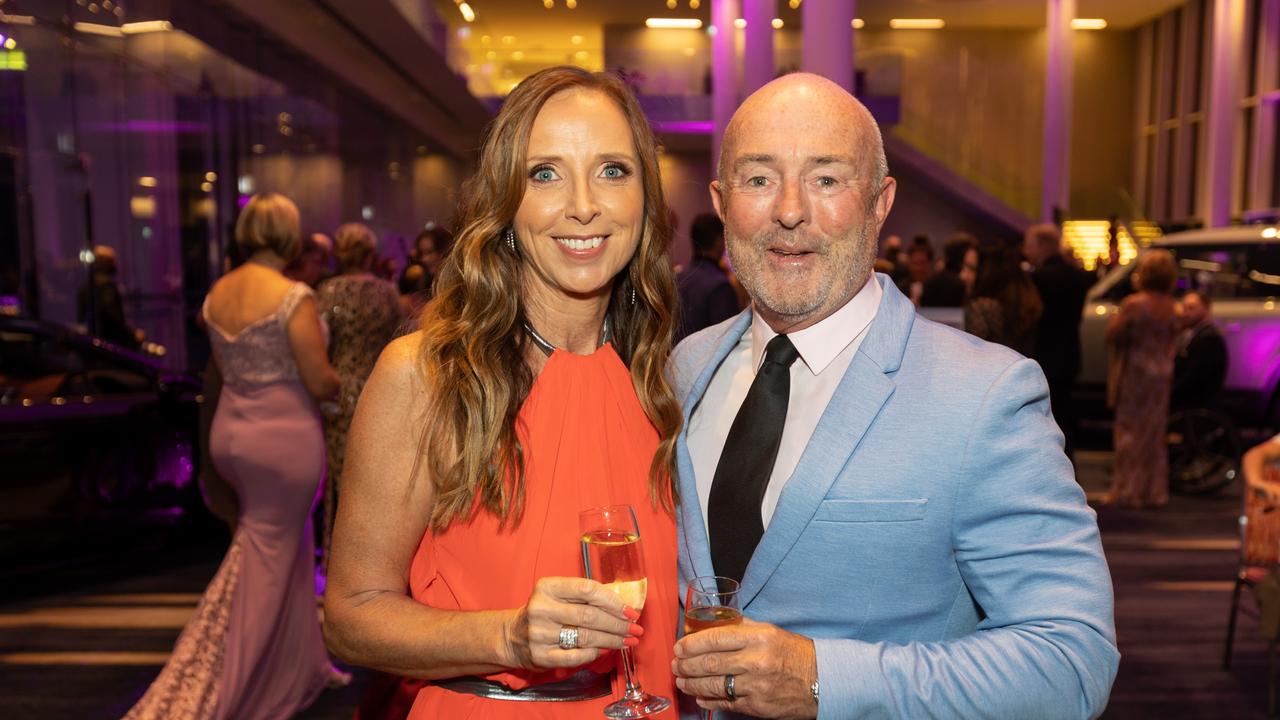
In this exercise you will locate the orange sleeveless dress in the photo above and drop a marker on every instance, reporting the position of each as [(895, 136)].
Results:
[(587, 443)]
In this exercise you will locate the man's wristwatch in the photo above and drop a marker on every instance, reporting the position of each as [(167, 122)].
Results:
[(814, 689)]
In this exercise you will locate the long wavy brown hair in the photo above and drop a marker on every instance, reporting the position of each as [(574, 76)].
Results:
[(473, 340)]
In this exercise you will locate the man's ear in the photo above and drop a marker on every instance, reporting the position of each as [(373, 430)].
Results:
[(885, 201), (717, 199)]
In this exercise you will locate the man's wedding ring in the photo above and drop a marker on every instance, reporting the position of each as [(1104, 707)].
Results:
[(728, 688), (568, 638)]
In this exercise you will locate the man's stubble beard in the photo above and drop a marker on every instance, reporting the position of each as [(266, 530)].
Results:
[(857, 268)]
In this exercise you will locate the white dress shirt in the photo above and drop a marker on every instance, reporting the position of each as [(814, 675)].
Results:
[(825, 348)]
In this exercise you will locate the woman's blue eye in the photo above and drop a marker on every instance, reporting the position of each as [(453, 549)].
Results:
[(544, 175), (614, 172)]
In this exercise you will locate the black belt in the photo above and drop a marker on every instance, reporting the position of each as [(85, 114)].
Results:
[(584, 685)]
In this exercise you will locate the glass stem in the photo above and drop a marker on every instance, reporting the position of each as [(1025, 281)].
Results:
[(628, 669)]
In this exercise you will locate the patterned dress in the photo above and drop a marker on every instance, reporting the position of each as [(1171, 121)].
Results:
[(363, 313), (1143, 335), (253, 649)]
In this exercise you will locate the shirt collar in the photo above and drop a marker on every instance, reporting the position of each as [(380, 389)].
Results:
[(820, 343)]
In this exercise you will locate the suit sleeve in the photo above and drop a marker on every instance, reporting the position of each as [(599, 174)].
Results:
[(1029, 552)]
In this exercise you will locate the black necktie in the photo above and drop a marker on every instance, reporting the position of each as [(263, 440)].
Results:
[(733, 509)]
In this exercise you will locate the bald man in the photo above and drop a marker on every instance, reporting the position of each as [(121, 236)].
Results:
[(891, 494)]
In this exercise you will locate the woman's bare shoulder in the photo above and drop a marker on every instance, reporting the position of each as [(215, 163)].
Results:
[(397, 379)]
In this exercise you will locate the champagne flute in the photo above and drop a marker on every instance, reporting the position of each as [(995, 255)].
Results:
[(711, 601), (611, 555)]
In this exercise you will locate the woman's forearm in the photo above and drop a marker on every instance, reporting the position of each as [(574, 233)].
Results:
[(388, 631)]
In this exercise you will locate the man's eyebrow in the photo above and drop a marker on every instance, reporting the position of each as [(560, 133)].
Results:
[(751, 159), (830, 160)]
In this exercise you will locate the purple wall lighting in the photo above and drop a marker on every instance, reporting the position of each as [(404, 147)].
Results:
[(683, 127)]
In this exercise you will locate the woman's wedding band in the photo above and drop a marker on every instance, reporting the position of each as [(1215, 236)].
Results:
[(568, 638)]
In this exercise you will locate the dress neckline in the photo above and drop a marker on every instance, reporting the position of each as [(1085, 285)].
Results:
[(548, 349)]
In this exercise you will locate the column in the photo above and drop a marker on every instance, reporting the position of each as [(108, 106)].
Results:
[(828, 40), (757, 54), (724, 73), (1055, 186), (1221, 110)]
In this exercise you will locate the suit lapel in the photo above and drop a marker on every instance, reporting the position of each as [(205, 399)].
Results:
[(695, 561), (861, 394)]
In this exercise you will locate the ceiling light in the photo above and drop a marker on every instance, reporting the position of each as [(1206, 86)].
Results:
[(576, 39), (793, 4), (571, 4), (10, 44), (917, 23), (580, 55), (1088, 24), (694, 4), (467, 13), (859, 23), (740, 23), (673, 23), (147, 181), (671, 4), (776, 23), (137, 28), (508, 39), (548, 4), (517, 55)]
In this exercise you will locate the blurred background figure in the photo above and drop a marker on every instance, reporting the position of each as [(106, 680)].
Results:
[(253, 649), (1142, 336), (363, 312), (1062, 288), (919, 269), (314, 263), (891, 262), (415, 290), (706, 294), (1004, 307), (430, 249), (100, 305), (948, 287), (1200, 365)]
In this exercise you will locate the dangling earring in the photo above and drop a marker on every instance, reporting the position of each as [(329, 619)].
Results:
[(633, 295), (511, 240)]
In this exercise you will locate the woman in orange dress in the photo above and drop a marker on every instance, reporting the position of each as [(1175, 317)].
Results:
[(534, 390)]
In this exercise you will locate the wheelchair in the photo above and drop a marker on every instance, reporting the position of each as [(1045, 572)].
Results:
[(1204, 451)]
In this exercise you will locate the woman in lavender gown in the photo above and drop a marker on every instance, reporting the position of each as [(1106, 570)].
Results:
[(253, 648)]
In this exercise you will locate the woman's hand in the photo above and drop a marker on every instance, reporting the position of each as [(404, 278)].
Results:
[(532, 635)]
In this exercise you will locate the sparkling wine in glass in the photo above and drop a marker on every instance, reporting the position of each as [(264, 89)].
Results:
[(711, 601), (611, 555)]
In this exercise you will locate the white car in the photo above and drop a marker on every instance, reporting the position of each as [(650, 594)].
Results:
[(1239, 269)]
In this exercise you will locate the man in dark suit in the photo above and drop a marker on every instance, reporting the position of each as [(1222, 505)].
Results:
[(1201, 364), (948, 288), (1062, 288), (706, 295)]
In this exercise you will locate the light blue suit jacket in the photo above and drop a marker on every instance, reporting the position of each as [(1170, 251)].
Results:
[(932, 541)]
